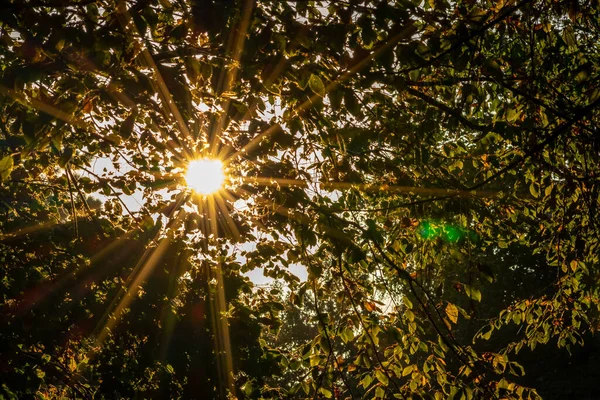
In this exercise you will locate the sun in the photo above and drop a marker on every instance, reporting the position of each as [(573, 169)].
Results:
[(205, 176)]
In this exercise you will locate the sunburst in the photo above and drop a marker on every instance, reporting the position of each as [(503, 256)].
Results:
[(205, 176)]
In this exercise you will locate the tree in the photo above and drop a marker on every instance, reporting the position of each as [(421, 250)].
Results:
[(426, 162)]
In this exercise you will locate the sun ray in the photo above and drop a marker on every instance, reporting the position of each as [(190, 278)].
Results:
[(227, 196), (44, 226), (144, 266), (169, 317), (219, 308), (228, 220), (160, 86), (367, 187), (225, 81), (212, 214), (277, 71), (41, 106), (334, 84), (25, 304)]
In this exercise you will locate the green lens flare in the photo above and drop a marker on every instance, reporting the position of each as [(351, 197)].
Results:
[(449, 233), (427, 230)]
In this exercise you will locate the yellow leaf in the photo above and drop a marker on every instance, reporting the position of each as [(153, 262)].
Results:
[(370, 306), (573, 265), (452, 312)]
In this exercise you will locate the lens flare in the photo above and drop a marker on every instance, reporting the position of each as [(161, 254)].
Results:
[(205, 176)]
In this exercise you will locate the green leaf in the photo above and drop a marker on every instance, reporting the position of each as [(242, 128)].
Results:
[(569, 37), (366, 381), (247, 388), (347, 335), (485, 332), (534, 192), (472, 292), (324, 343), (305, 387), (316, 85), (178, 33), (206, 71), (6, 166), (382, 377)]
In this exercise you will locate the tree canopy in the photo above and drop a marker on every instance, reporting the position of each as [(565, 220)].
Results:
[(434, 165)]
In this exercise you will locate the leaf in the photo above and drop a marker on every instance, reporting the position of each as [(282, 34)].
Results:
[(366, 381), (347, 335), (452, 312), (493, 68), (72, 364), (486, 272), (127, 126), (206, 71), (485, 332), (534, 192), (370, 306), (324, 343), (178, 33), (335, 99), (382, 377), (573, 265), (316, 85), (305, 387), (569, 37), (192, 67), (88, 106), (247, 388), (472, 292), (407, 370), (65, 157), (351, 103), (6, 166)]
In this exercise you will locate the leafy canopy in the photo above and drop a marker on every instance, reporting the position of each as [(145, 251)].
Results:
[(433, 165)]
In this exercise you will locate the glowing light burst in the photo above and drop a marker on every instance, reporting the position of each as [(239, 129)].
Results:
[(205, 176)]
